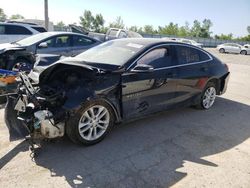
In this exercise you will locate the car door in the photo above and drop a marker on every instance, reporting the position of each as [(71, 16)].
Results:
[(192, 72), (144, 93), (81, 44), (60, 45)]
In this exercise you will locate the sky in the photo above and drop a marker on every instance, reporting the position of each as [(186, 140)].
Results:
[(228, 16)]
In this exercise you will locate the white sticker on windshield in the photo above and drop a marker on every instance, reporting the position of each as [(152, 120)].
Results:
[(134, 45)]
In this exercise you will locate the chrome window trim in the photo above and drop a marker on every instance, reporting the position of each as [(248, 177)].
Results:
[(174, 66)]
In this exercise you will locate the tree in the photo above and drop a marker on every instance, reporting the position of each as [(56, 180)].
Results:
[(98, 23), (118, 23), (170, 29), (3, 16), (92, 23), (184, 31), (202, 29), (136, 29), (224, 37), (149, 29), (87, 20), (205, 29), (60, 24), (16, 16)]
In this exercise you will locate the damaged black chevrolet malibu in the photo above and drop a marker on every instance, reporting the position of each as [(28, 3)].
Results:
[(83, 97)]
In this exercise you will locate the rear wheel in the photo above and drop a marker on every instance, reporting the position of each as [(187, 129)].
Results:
[(222, 50), (243, 52), (207, 97), (91, 123)]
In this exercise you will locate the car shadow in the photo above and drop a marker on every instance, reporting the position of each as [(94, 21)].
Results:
[(148, 152)]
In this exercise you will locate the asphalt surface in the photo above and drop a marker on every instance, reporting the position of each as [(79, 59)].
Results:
[(180, 148)]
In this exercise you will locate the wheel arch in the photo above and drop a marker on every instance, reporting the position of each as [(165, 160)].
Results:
[(217, 82)]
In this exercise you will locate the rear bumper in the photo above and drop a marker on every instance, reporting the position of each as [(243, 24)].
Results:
[(224, 83)]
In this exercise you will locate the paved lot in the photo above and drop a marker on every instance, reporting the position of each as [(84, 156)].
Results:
[(179, 148)]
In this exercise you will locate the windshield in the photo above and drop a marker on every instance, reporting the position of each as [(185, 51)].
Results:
[(33, 39), (116, 52)]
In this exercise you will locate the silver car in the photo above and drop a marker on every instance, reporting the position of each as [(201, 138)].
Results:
[(245, 50), (230, 48)]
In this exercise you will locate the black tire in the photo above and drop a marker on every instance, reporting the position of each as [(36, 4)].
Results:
[(21, 62), (200, 104), (72, 124), (222, 50), (243, 52)]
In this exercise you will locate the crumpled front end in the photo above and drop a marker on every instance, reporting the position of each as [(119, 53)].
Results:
[(34, 112)]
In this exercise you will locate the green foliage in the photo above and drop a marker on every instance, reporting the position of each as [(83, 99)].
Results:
[(170, 29), (16, 16), (136, 29), (118, 23), (149, 29), (201, 29), (60, 24), (92, 23), (224, 37), (3, 16)]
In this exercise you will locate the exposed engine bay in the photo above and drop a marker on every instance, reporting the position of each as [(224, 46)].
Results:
[(43, 108)]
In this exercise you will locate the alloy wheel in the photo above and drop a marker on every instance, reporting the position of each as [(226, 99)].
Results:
[(209, 97), (94, 122)]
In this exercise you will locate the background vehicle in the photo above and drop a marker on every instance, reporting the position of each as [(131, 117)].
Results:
[(16, 54), (229, 48), (187, 41), (11, 32), (115, 81), (245, 50), (112, 33)]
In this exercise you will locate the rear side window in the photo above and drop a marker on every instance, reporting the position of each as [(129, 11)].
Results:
[(16, 30), (187, 55), (2, 29), (39, 29), (82, 41)]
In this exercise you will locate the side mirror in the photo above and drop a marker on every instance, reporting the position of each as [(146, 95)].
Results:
[(142, 68), (43, 45)]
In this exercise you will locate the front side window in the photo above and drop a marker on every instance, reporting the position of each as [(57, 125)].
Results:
[(58, 42), (188, 55), (16, 30), (157, 58)]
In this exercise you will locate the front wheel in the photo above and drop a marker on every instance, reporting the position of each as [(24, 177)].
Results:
[(207, 97), (222, 50), (243, 52), (91, 123)]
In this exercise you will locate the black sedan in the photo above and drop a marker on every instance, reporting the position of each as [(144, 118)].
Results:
[(21, 54), (116, 81)]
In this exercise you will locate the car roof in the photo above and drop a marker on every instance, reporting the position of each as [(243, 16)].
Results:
[(151, 41), (54, 33)]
